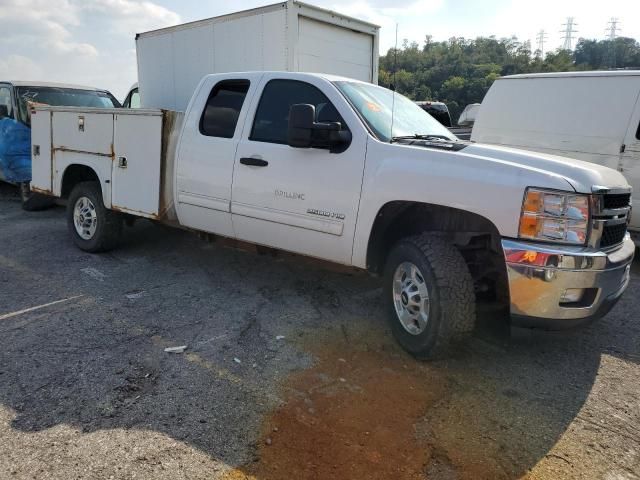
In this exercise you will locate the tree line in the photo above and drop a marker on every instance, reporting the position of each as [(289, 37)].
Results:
[(459, 71)]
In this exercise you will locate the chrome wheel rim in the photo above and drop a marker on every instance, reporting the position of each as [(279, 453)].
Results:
[(411, 298), (85, 218)]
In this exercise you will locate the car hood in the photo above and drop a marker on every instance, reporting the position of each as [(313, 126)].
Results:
[(581, 175)]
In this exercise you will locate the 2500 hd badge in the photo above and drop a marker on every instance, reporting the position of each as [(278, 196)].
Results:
[(322, 213)]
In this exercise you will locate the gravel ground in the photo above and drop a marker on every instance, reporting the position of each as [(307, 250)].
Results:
[(289, 372)]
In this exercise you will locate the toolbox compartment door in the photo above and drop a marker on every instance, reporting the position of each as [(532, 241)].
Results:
[(79, 131), (135, 176)]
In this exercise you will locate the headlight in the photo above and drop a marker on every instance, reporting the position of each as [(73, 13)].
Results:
[(554, 216)]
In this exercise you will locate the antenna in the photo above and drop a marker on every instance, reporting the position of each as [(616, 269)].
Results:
[(568, 33), (393, 87)]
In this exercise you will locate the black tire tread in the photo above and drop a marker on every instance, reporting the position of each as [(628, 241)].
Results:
[(110, 228), (457, 310), (454, 281)]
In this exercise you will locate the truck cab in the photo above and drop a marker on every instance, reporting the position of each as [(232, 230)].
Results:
[(356, 174)]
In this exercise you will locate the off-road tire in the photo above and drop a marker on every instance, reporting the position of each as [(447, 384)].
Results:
[(452, 311), (109, 223)]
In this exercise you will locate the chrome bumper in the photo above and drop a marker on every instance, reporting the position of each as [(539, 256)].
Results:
[(542, 275)]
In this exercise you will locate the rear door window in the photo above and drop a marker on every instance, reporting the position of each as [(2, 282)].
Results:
[(220, 115)]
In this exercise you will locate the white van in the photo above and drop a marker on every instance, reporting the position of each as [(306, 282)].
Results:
[(591, 116)]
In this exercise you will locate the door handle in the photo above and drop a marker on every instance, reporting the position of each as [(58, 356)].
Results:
[(254, 162)]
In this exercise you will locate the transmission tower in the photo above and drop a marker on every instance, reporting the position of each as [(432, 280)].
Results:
[(612, 32), (541, 37), (612, 28), (568, 33)]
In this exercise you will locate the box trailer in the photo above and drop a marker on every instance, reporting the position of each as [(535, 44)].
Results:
[(288, 36)]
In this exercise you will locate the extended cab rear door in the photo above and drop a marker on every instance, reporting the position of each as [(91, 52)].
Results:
[(207, 149), (296, 199)]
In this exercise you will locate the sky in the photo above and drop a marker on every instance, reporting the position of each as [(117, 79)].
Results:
[(91, 42)]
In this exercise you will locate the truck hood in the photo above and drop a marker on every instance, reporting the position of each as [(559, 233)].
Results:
[(580, 175)]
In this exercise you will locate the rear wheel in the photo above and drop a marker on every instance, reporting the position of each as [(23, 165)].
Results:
[(429, 295), (93, 227)]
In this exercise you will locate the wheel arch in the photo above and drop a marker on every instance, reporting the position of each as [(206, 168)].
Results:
[(76, 173), (475, 236)]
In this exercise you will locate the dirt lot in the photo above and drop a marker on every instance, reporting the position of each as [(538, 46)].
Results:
[(290, 373)]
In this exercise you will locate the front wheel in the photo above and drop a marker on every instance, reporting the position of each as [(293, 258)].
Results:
[(93, 227), (429, 295)]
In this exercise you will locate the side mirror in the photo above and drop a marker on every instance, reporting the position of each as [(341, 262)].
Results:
[(301, 125), (4, 111), (305, 132)]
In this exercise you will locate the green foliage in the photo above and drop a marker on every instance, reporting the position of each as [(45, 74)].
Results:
[(460, 71)]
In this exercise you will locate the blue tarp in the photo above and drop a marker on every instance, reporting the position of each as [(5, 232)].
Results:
[(15, 151)]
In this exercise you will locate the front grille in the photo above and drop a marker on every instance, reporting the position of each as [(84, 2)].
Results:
[(610, 215), (616, 200), (613, 234)]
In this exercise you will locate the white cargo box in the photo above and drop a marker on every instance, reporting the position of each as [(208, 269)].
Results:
[(123, 146), (288, 36)]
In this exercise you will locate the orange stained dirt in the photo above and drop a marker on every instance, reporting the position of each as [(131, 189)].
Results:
[(362, 413), (347, 417)]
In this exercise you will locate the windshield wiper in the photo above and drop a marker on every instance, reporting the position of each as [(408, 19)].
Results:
[(417, 136)]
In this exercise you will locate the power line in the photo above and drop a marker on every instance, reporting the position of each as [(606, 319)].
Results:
[(568, 33), (541, 37)]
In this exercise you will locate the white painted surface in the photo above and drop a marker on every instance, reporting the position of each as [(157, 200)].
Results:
[(41, 177), (328, 182), (204, 166), (137, 136), (138, 140), (630, 162), (586, 116), (83, 132), (327, 48), (288, 36), (101, 165), (215, 193)]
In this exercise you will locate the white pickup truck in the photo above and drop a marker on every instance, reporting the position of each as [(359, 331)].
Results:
[(352, 173)]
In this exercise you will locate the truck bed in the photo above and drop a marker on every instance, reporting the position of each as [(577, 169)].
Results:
[(123, 145)]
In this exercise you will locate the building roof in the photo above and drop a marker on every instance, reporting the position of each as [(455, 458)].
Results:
[(593, 73)]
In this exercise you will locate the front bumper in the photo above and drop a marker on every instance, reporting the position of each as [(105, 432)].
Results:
[(541, 275)]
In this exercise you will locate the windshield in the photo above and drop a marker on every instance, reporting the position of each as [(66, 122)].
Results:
[(374, 104), (62, 97)]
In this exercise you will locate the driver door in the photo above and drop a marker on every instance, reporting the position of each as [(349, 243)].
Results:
[(296, 199)]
